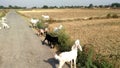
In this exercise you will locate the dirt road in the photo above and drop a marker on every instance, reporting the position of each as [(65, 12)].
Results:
[(21, 48)]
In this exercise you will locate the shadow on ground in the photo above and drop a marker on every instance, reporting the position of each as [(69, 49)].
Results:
[(52, 61)]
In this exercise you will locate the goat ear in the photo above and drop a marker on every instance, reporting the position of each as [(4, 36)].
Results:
[(77, 42)]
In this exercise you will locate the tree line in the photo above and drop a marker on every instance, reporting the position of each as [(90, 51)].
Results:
[(113, 5)]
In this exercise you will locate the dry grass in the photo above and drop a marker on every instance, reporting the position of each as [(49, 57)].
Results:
[(69, 13), (103, 34), (3, 12)]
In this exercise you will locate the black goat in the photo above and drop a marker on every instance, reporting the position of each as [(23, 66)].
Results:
[(51, 40)]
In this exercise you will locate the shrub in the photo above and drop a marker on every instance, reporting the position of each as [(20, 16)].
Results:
[(2, 13), (41, 25), (108, 15), (88, 59), (114, 16), (64, 40)]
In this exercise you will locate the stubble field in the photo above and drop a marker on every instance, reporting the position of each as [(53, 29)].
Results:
[(103, 34)]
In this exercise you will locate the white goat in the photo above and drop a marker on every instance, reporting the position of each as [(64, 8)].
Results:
[(5, 25), (4, 18), (34, 22), (56, 29), (69, 56), (45, 17), (60, 27)]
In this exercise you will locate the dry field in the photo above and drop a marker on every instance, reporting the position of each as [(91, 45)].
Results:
[(69, 13), (103, 34)]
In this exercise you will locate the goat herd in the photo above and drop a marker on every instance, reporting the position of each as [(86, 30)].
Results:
[(64, 56), (69, 56), (45, 31)]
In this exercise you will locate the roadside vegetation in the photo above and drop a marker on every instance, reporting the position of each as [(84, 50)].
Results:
[(2, 13)]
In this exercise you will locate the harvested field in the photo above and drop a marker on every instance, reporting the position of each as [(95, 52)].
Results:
[(103, 34), (69, 13)]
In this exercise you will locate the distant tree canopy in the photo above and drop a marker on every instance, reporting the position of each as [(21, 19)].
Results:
[(1, 7), (11, 7), (90, 6), (45, 7), (113, 5)]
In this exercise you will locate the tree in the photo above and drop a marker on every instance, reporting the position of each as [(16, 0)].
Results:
[(34, 7), (90, 6), (45, 7), (10, 6), (115, 5), (1, 7)]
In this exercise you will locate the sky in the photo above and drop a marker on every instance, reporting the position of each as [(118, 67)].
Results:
[(40, 3)]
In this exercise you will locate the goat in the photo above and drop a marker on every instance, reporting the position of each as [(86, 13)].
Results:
[(56, 29), (42, 31), (69, 56), (45, 17), (51, 40), (34, 22), (5, 25), (4, 19)]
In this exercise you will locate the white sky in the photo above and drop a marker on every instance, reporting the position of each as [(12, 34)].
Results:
[(40, 3)]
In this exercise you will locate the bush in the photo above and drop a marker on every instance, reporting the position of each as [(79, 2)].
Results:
[(64, 40), (114, 16), (110, 15), (2, 14), (41, 25), (88, 59)]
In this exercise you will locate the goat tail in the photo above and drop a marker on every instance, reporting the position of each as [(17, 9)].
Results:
[(57, 57)]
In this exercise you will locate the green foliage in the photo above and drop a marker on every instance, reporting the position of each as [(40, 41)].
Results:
[(64, 40), (87, 59), (100, 62), (45, 7), (112, 15), (41, 25), (108, 15), (114, 5), (2, 13)]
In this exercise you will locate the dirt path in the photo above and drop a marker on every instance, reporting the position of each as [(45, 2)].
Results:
[(21, 48)]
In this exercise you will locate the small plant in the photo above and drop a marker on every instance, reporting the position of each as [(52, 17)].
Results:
[(108, 15), (88, 59), (64, 40), (114, 16), (40, 26)]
